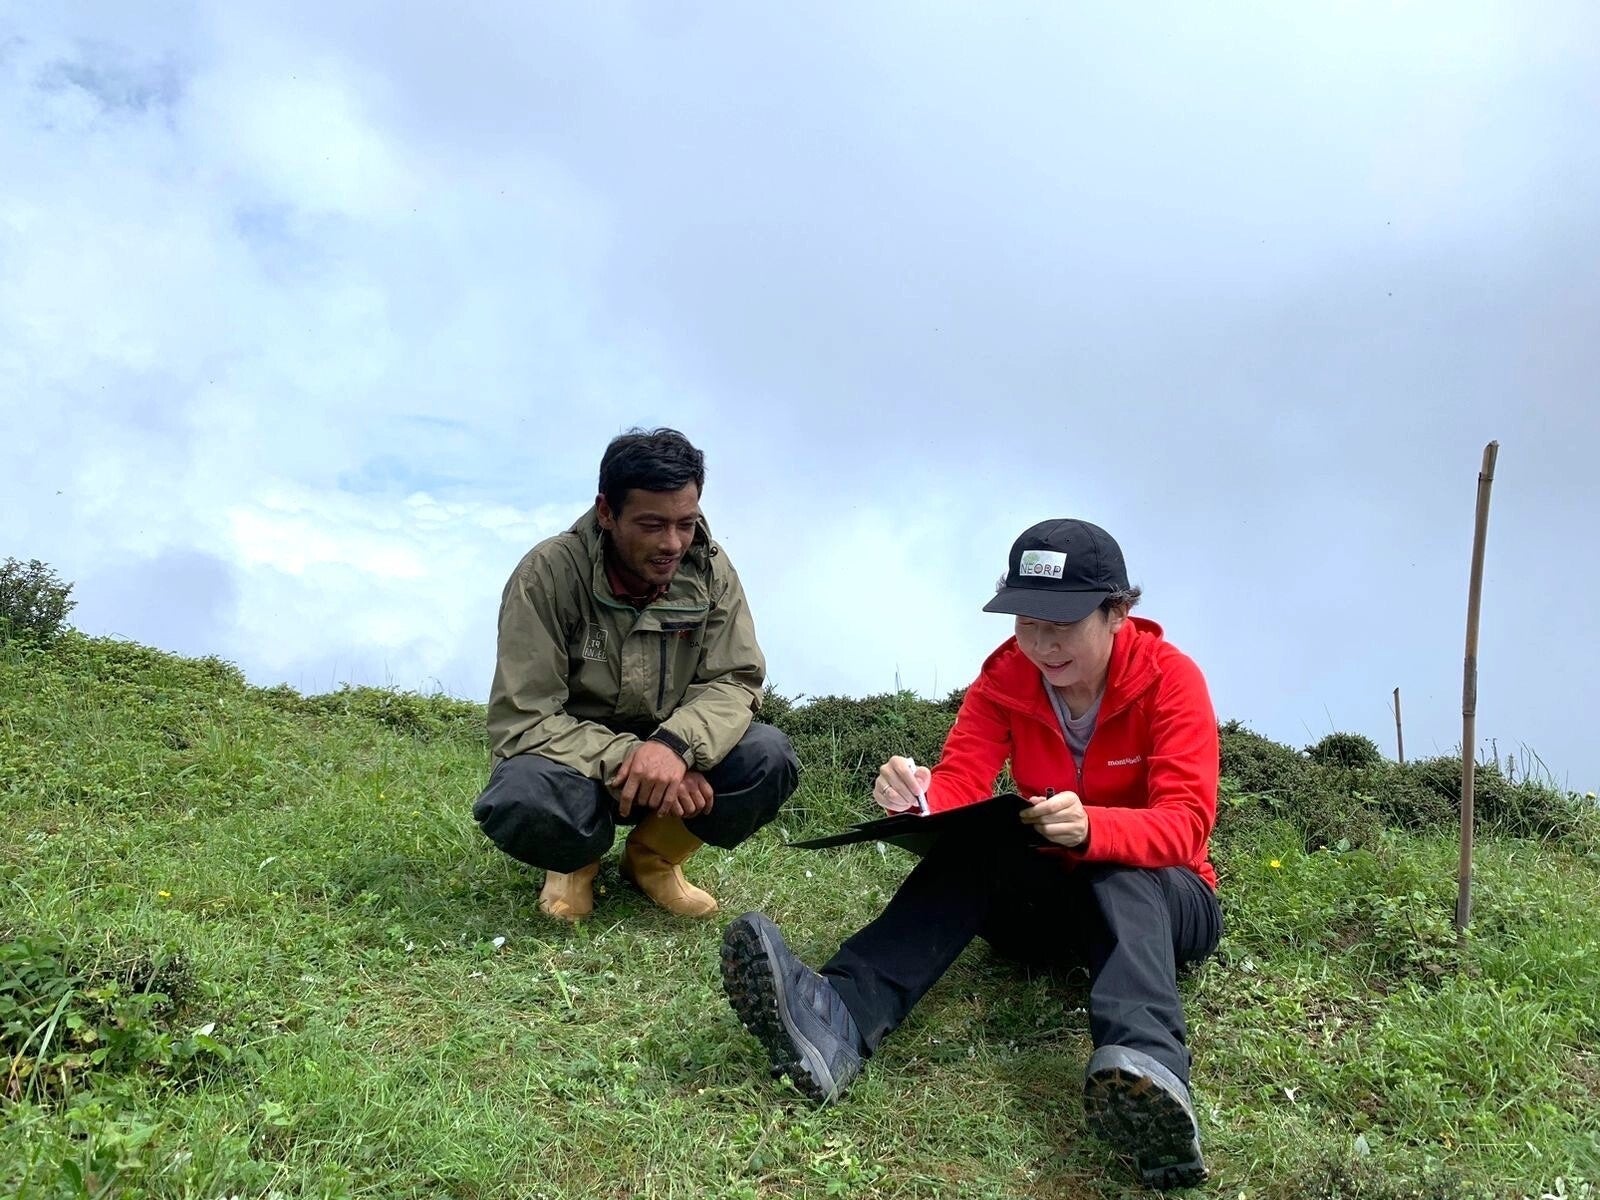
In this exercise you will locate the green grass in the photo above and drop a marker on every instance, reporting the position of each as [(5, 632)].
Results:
[(268, 936)]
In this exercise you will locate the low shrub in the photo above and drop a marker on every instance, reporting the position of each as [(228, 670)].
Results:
[(423, 717), (851, 738), (1260, 765), (1345, 750), (34, 602)]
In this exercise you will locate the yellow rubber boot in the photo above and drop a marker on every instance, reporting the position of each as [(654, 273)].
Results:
[(569, 897), (653, 860)]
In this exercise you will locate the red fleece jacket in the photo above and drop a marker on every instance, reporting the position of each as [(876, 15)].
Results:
[(1149, 777)]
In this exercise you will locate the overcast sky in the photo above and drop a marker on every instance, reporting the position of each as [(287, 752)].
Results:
[(314, 317)]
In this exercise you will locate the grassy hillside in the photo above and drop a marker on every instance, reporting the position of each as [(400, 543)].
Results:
[(251, 944)]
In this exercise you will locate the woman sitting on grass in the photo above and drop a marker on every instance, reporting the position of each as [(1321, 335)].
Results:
[(1111, 738)]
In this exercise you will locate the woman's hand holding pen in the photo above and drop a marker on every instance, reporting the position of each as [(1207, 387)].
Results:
[(900, 784)]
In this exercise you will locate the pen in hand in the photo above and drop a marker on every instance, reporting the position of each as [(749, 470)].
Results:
[(1027, 812), (922, 798)]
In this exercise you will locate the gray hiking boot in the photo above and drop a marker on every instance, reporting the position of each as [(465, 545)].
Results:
[(1143, 1109), (794, 1012)]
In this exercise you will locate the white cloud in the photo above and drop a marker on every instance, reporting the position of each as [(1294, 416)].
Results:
[(865, 598), (297, 134), (368, 588), (193, 358)]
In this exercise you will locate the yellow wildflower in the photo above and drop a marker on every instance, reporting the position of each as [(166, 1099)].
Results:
[(164, 895), (1275, 864)]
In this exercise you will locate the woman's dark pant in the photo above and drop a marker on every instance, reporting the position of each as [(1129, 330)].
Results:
[(1130, 926), (548, 815)]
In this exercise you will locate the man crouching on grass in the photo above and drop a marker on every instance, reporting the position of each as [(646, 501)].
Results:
[(624, 686)]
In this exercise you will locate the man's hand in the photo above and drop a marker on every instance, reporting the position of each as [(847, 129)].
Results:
[(1060, 818), (646, 777), (691, 796)]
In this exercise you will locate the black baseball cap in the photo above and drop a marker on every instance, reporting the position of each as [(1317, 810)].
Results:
[(1060, 571)]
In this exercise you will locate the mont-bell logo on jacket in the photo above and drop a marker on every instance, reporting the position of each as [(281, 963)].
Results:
[(1044, 564)]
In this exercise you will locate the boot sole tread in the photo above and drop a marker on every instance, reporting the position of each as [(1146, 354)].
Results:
[(753, 991), (1138, 1116)]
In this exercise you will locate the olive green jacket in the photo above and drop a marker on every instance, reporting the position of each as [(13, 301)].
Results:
[(581, 676)]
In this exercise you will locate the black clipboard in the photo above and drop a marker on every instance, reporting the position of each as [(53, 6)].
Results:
[(917, 833)]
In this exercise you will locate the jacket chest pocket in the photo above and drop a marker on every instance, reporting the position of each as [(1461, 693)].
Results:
[(594, 665), (677, 657)]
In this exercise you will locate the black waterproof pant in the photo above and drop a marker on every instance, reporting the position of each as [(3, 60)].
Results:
[(1130, 927), (548, 815)]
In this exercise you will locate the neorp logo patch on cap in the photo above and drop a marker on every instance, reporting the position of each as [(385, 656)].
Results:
[(1042, 564)]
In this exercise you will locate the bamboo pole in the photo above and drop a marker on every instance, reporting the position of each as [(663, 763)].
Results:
[(1469, 690), (1399, 735)]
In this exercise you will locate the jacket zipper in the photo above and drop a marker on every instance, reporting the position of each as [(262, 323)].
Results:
[(1127, 703), (1078, 766), (661, 689)]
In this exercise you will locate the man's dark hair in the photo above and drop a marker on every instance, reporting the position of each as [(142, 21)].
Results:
[(658, 460)]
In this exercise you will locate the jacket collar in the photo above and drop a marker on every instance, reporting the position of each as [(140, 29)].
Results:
[(1015, 683)]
